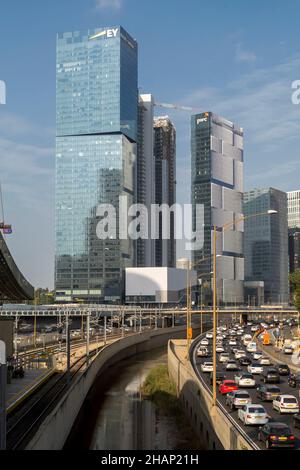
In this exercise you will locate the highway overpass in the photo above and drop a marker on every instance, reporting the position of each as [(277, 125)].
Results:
[(13, 285)]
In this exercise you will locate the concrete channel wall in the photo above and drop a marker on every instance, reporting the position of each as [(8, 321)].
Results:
[(54, 431), (212, 427)]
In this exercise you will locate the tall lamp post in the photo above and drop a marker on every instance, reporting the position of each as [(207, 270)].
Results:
[(223, 229)]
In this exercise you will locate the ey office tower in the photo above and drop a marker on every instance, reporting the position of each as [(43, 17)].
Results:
[(97, 100), (217, 184), (266, 243)]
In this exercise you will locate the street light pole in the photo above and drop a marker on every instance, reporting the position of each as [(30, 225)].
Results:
[(214, 316), (3, 379)]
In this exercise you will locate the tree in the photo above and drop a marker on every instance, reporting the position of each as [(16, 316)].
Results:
[(295, 286)]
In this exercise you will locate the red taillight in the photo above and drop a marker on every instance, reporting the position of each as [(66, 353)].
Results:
[(291, 438), (248, 416)]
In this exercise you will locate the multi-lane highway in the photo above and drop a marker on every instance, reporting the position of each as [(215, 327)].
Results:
[(274, 416)]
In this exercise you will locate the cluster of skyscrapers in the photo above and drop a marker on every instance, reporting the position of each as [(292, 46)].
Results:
[(109, 144)]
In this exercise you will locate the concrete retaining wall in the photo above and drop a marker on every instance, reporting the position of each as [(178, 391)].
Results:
[(213, 428), (54, 431)]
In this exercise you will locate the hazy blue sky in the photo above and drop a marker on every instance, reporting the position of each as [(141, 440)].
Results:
[(235, 58)]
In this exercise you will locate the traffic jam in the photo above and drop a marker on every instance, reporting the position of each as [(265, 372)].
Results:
[(260, 395)]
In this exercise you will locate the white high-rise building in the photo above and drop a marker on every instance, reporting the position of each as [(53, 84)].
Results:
[(217, 184), (145, 176), (293, 208)]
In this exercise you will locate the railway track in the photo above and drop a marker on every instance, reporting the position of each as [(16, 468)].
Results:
[(20, 426)]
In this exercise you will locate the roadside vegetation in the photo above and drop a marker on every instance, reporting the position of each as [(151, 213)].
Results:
[(162, 392)]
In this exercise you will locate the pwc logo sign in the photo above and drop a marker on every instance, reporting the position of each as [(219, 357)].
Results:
[(2, 92), (108, 33)]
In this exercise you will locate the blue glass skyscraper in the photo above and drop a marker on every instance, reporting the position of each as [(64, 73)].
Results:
[(97, 102)]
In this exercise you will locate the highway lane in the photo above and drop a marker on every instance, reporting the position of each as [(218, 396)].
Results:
[(284, 389)]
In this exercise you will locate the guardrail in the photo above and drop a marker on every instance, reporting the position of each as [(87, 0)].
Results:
[(192, 351)]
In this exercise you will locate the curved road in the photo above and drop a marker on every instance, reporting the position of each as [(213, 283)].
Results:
[(251, 431)]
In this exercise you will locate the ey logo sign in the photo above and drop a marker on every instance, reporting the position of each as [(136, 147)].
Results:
[(2, 92), (108, 33)]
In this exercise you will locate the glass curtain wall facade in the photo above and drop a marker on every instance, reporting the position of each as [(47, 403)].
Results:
[(217, 184), (266, 242), (96, 106)]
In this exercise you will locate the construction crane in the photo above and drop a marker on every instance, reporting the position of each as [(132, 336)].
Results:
[(4, 227), (178, 107)]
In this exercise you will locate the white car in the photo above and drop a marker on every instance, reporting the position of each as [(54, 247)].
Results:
[(209, 335), (239, 332), (204, 342), (251, 347), (245, 379), (257, 355), (232, 365), (249, 323), (240, 353), (207, 367), (232, 342), (286, 404), (202, 352), (219, 348), (288, 350), (224, 357), (254, 328), (247, 339), (253, 414), (264, 361), (255, 368)]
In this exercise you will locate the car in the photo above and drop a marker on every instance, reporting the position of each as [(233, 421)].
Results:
[(247, 339), (244, 379), (251, 347), (219, 338), (254, 328), (267, 392), (288, 350), (204, 342), (232, 365), (271, 376), (239, 353), (264, 361), (202, 352), (227, 386), (257, 355), (283, 369), (207, 367), (249, 323), (224, 357), (209, 335), (232, 342), (239, 332), (245, 361), (294, 380), (219, 348), (237, 399), (255, 368), (297, 421), (286, 404), (220, 376), (253, 414), (276, 435)]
